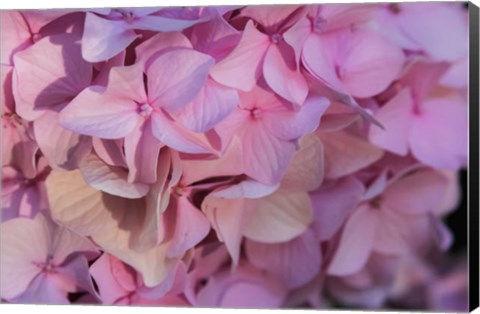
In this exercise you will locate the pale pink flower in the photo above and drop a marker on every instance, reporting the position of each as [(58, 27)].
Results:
[(269, 213), (358, 62), (294, 262), (108, 33), (367, 288), (41, 262), (214, 101), (18, 146), (127, 111), (265, 53), (432, 127), (246, 287), (119, 284), (265, 130), (394, 219), (24, 195), (45, 80), (437, 30)]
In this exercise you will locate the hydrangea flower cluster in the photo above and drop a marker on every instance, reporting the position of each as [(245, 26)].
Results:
[(259, 156)]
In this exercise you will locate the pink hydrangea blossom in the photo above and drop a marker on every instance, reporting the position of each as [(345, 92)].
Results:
[(235, 156)]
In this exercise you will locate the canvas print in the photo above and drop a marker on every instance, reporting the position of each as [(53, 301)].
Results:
[(263, 156)]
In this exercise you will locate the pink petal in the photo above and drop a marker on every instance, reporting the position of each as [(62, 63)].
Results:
[(172, 286), (371, 64), (6, 72), (26, 242), (177, 137), (76, 270), (148, 50), (346, 154), (392, 233), (270, 17), (338, 117), (343, 15), (442, 235), (43, 290), (282, 74), (265, 157), (245, 288), (215, 37), (278, 217), (18, 147), (422, 77), (439, 134), (106, 69), (214, 103), (415, 194), (62, 148), (162, 24), (110, 179), (377, 186), (16, 38), (318, 60), (22, 196), (295, 262), (187, 73), (141, 153), (103, 39), (19, 251), (191, 227), (13, 194), (457, 75), (247, 295), (396, 118), (356, 241), (152, 231), (110, 151), (126, 82), (245, 61), (112, 277), (110, 221), (305, 172), (38, 19), (332, 203), (425, 25), (340, 96), (96, 113), (296, 36), (51, 78), (193, 14), (227, 218), (245, 189), (451, 195), (229, 164), (290, 125)]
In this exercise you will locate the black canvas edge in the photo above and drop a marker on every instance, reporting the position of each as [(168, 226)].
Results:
[(473, 187)]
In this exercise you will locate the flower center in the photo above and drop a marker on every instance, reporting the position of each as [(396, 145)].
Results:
[(178, 190), (145, 110), (47, 266), (319, 24), (256, 113), (394, 8), (36, 37), (12, 119), (128, 16), (276, 38)]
